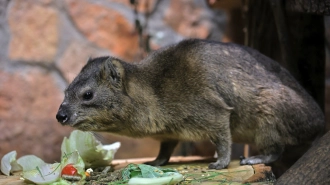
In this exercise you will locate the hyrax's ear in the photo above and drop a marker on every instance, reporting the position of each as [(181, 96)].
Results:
[(89, 59), (112, 70)]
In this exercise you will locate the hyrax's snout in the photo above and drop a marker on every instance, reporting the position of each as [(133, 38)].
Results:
[(62, 115)]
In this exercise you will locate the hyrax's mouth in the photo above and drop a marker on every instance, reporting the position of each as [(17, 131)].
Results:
[(82, 125)]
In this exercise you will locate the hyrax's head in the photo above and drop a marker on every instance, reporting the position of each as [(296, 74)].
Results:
[(93, 101)]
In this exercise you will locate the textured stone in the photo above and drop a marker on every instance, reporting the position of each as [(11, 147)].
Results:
[(187, 19), (28, 104), (75, 57), (105, 27), (34, 31)]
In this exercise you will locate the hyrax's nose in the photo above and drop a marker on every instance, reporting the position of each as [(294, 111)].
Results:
[(61, 117)]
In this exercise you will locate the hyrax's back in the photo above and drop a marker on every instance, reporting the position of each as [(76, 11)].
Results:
[(269, 108)]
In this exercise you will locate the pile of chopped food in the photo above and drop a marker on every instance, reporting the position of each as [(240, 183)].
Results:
[(83, 151), (136, 174)]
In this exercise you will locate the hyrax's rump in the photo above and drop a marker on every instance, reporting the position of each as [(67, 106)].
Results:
[(195, 90)]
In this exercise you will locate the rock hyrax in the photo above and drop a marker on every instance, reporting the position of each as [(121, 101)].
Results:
[(195, 90)]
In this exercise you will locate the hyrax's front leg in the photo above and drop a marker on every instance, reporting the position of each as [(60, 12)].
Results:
[(165, 152), (223, 148), (220, 135)]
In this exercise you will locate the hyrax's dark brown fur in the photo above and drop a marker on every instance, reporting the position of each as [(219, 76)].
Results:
[(195, 90)]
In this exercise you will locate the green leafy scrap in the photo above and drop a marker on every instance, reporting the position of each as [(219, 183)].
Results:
[(144, 171)]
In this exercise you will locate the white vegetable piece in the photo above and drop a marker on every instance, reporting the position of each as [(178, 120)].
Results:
[(89, 170), (6, 162)]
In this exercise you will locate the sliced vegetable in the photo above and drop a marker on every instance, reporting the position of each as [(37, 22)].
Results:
[(74, 163), (51, 173), (7, 161), (43, 174), (25, 163), (88, 172), (81, 147), (93, 153), (69, 169)]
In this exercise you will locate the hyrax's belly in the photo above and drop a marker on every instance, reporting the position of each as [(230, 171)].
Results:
[(243, 132)]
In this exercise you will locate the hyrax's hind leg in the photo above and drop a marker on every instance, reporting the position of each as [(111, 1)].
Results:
[(270, 147)]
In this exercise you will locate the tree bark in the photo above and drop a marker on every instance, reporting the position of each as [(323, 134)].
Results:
[(312, 168)]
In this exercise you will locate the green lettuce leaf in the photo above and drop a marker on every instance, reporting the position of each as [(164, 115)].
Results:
[(93, 153), (30, 162), (43, 174)]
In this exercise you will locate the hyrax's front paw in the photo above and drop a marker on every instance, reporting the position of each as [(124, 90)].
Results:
[(218, 165)]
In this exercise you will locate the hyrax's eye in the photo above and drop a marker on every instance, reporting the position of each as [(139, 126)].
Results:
[(88, 95)]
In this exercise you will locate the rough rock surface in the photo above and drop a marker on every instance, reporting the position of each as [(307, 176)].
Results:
[(34, 32)]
